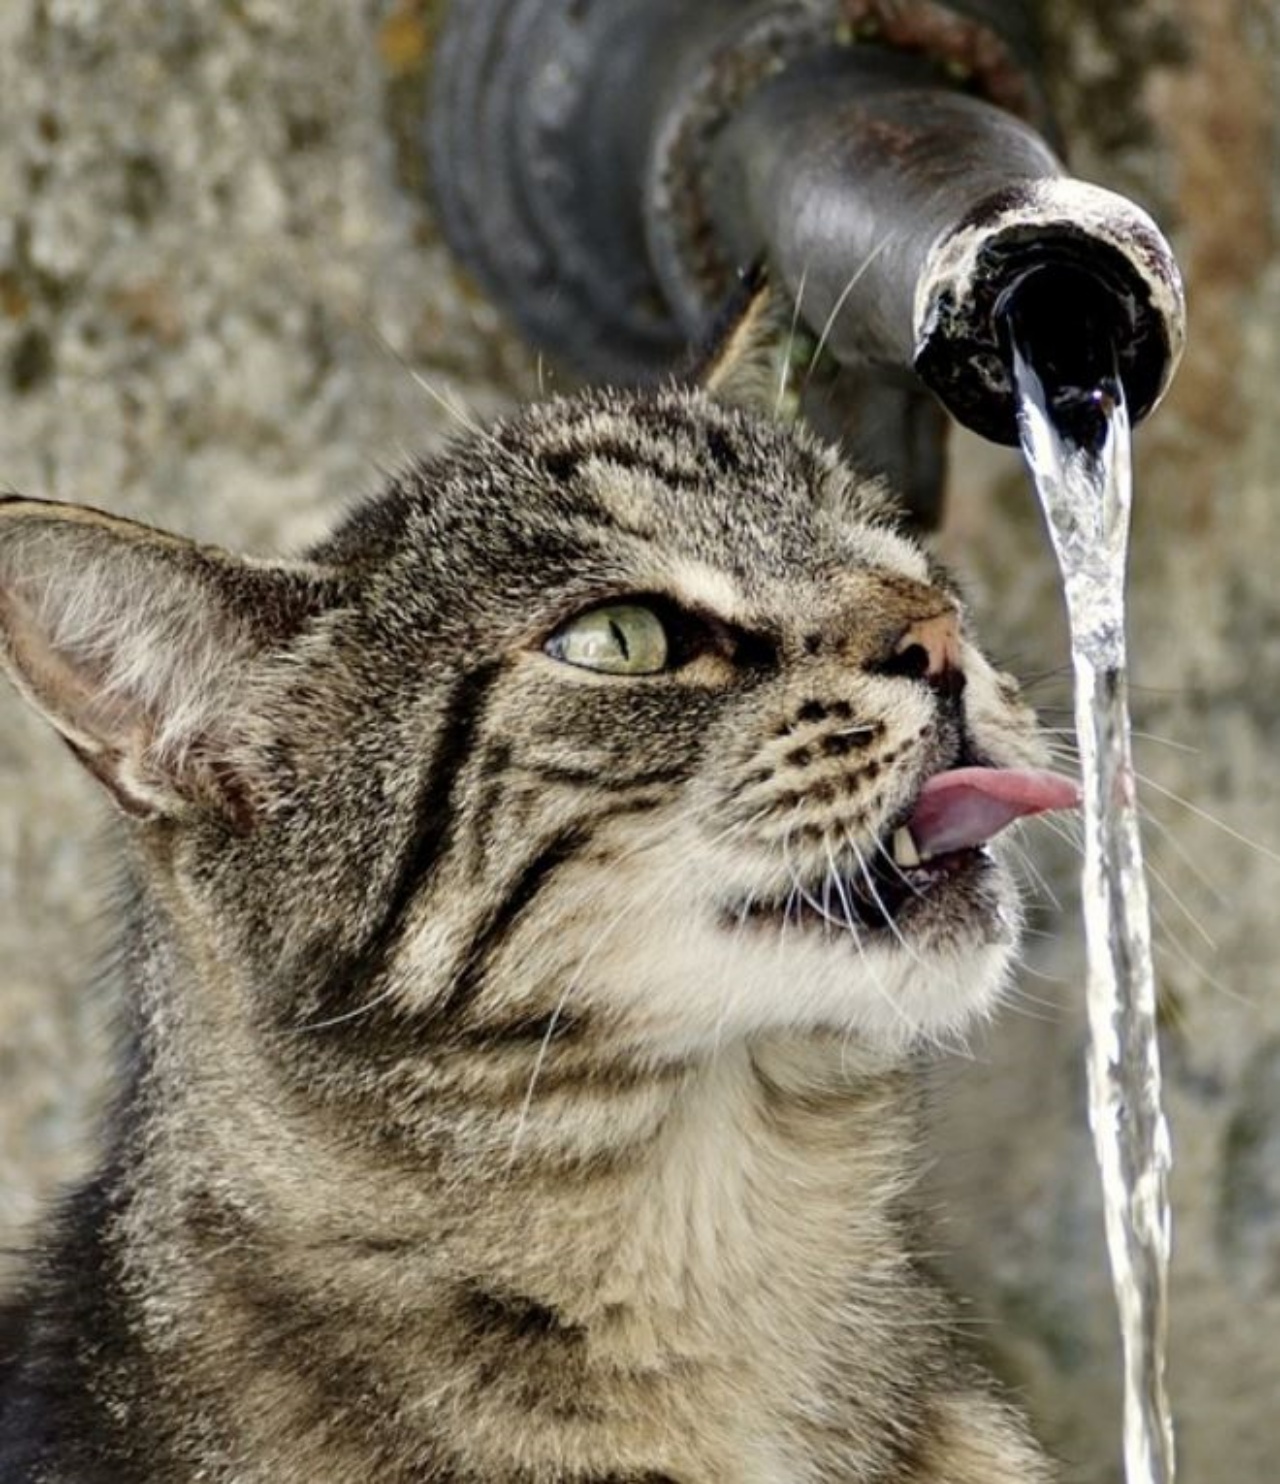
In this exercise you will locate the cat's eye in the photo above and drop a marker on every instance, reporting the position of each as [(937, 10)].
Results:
[(617, 639)]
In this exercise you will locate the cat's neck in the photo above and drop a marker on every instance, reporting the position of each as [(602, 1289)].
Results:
[(766, 1164), (773, 1185)]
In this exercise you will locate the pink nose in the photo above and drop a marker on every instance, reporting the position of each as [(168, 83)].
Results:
[(929, 649)]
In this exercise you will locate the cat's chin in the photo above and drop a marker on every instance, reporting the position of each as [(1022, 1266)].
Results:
[(917, 975), (905, 958)]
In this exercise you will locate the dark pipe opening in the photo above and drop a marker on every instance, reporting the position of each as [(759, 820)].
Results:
[(1067, 325), (1090, 264)]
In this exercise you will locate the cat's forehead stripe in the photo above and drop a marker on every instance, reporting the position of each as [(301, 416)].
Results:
[(624, 496), (635, 458)]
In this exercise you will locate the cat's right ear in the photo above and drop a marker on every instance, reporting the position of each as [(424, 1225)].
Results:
[(136, 644), (737, 361)]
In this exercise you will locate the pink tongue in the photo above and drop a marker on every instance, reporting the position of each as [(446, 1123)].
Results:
[(969, 805)]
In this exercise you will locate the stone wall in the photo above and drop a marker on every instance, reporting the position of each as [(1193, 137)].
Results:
[(217, 277)]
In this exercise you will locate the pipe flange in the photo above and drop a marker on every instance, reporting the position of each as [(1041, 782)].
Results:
[(963, 40), (528, 155)]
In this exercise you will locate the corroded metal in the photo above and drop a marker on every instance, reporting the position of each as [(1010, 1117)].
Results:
[(936, 48), (1093, 248)]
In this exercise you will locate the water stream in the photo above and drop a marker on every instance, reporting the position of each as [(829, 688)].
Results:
[(1076, 438)]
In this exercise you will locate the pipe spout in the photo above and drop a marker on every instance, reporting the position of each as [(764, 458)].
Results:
[(1118, 291)]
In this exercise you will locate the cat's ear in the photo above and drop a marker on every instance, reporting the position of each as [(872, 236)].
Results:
[(739, 360), (135, 644)]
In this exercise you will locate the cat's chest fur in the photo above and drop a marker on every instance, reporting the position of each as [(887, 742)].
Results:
[(528, 960), (704, 1308)]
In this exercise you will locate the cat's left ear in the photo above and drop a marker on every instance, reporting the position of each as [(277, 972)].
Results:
[(738, 363), (136, 645)]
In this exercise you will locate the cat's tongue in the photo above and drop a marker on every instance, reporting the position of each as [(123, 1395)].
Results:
[(967, 806)]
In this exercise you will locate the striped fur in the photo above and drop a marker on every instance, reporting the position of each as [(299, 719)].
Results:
[(488, 1115)]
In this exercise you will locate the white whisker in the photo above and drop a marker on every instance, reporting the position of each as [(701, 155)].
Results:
[(849, 287), (785, 374), (1208, 818)]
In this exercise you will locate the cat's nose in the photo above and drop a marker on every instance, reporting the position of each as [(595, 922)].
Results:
[(929, 650)]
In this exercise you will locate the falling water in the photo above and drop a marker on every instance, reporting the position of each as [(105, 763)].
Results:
[(1075, 434)]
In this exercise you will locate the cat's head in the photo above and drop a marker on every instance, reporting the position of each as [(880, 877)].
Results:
[(611, 719)]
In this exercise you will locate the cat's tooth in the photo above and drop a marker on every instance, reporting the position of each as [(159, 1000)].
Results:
[(904, 849)]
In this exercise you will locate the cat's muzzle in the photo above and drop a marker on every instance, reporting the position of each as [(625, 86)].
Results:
[(886, 892)]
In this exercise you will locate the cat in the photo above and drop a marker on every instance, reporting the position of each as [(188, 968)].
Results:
[(538, 899)]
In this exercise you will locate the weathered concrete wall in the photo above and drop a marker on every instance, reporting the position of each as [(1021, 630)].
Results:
[(215, 270)]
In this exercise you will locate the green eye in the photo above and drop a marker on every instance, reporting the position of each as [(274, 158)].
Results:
[(620, 639)]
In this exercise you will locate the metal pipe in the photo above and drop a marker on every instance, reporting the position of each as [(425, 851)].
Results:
[(605, 168), (901, 217), (567, 143)]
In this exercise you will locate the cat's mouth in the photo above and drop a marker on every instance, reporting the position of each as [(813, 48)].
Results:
[(939, 845)]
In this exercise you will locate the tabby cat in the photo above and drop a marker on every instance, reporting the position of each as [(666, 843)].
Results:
[(538, 898)]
